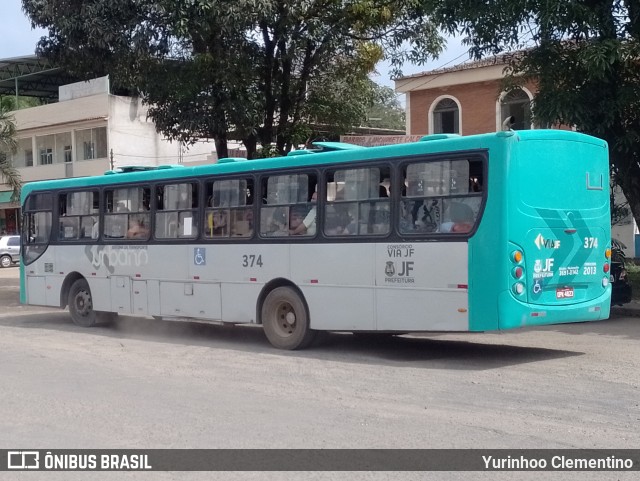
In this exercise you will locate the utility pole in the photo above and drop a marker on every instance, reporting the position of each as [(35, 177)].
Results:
[(111, 158)]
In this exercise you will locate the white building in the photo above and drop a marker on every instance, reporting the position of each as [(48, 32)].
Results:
[(87, 132)]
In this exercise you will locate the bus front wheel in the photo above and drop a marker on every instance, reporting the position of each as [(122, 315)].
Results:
[(81, 306), (285, 319)]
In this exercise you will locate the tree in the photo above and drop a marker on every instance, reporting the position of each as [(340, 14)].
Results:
[(261, 71), (585, 59), (385, 111), (8, 145)]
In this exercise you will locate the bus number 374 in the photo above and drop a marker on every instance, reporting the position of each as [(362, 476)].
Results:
[(251, 260)]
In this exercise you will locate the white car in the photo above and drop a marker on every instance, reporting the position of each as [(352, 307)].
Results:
[(9, 250)]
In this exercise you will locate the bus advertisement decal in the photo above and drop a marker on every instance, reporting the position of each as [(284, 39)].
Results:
[(111, 256)]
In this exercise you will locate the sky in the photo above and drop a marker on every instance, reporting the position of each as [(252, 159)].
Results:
[(19, 39)]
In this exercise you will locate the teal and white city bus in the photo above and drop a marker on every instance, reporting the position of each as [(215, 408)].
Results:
[(451, 233)]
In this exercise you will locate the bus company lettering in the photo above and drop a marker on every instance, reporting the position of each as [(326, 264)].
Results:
[(400, 250), (112, 256), (399, 272), (541, 242)]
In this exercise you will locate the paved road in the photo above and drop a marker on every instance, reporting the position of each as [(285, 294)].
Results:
[(150, 384)]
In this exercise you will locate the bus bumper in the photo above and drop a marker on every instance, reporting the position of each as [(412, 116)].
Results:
[(513, 313)]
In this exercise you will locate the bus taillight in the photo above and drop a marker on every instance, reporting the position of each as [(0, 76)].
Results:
[(517, 272), (605, 267)]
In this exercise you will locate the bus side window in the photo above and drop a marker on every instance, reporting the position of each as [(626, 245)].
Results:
[(77, 213), (124, 208), (290, 205), (358, 202), (441, 196), (229, 210), (176, 209)]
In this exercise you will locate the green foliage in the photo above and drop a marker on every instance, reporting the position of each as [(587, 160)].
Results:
[(617, 251), (8, 145), (267, 151), (633, 278), (385, 112), (585, 56), (8, 103), (261, 71)]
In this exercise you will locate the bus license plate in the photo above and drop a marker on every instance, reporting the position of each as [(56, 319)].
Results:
[(564, 293)]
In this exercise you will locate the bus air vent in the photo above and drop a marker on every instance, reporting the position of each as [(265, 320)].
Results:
[(331, 146), (301, 152), (427, 138), (126, 169), (170, 166)]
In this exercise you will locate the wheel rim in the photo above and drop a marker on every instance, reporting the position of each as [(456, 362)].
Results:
[(83, 304), (6, 262), (286, 319)]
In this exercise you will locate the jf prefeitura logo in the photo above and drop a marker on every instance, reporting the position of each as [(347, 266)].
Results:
[(399, 265)]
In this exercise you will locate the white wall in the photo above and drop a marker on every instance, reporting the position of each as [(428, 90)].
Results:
[(51, 117), (134, 139)]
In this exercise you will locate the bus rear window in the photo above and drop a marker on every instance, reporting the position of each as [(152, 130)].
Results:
[(546, 175)]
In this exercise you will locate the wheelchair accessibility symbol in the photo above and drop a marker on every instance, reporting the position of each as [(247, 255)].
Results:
[(199, 256), (537, 287)]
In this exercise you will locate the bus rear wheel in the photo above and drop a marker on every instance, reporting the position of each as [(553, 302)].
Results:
[(285, 319), (81, 306)]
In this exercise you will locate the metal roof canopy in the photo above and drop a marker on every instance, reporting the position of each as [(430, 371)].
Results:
[(32, 76)]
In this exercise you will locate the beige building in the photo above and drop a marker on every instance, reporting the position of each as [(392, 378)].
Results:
[(87, 132)]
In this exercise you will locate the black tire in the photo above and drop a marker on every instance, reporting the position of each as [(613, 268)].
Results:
[(285, 319), (81, 306), (5, 261)]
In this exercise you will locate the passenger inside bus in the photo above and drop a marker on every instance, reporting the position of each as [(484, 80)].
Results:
[(304, 223), (420, 216), (137, 229), (340, 221), (459, 218), (95, 230), (278, 225)]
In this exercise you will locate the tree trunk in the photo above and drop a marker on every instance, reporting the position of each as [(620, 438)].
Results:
[(222, 150), (250, 143)]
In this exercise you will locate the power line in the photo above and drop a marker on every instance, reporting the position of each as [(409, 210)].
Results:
[(175, 156), (437, 75)]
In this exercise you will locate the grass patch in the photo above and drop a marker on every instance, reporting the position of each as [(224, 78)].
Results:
[(633, 276)]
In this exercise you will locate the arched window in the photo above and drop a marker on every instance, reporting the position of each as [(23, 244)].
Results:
[(446, 117), (518, 105)]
